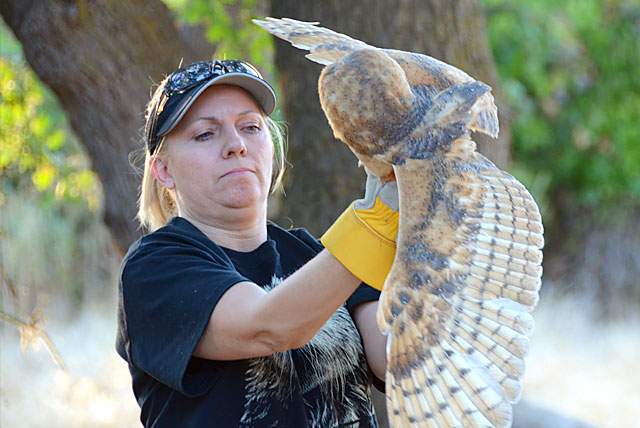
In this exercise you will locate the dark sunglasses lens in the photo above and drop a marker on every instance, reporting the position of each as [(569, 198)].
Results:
[(242, 67), (184, 78), (187, 77)]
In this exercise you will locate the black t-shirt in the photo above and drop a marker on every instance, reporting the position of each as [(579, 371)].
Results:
[(170, 282)]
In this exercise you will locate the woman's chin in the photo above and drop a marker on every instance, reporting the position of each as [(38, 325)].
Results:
[(245, 198)]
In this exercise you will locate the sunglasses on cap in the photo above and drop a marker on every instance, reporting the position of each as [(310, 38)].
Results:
[(185, 84)]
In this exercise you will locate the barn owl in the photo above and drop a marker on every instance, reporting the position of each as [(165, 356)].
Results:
[(456, 304)]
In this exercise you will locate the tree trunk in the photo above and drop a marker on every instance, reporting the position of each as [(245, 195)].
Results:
[(100, 58), (324, 178)]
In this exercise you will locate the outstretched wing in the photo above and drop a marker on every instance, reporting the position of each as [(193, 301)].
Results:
[(456, 302), (325, 46)]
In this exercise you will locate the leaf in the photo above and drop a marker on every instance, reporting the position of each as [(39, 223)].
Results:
[(43, 176)]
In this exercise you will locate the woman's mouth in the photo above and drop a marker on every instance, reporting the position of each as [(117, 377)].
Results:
[(236, 171)]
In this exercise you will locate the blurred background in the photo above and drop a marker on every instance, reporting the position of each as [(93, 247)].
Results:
[(75, 77)]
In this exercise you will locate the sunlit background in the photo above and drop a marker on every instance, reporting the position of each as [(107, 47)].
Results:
[(569, 71)]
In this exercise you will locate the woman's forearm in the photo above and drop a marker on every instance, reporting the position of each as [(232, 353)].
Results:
[(303, 302), (248, 322)]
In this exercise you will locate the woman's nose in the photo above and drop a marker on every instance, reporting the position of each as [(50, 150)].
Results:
[(234, 145)]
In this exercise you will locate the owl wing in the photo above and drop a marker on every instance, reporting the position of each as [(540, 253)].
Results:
[(466, 274), (325, 46), (456, 303), (423, 70)]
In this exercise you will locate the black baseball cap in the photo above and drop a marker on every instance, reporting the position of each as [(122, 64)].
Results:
[(185, 85)]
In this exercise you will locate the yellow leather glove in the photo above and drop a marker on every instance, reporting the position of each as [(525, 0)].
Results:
[(363, 238)]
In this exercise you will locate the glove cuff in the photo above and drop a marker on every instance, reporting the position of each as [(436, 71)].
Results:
[(359, 248)]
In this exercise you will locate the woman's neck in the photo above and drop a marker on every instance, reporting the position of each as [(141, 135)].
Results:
[(237, 231)]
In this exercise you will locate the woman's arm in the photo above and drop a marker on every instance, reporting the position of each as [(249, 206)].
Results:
[(375, 343), (249, 322)]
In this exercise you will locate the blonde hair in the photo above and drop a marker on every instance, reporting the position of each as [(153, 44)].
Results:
[(157, 204)]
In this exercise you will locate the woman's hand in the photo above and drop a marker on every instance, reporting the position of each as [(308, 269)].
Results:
[(363, 237)]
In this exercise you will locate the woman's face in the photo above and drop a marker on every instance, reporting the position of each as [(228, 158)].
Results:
[(219, 155)]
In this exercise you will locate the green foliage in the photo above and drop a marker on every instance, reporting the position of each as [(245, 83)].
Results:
[(229, 28), (570, 73), (38, 151), (53, 242)]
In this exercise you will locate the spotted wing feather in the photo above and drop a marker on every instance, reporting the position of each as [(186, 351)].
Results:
[(456, 303), (325, 46)]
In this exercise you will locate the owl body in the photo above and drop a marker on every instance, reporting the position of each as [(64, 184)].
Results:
[(456, 304), (386, 111)]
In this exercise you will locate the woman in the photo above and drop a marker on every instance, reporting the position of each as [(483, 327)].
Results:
[(226, 320)]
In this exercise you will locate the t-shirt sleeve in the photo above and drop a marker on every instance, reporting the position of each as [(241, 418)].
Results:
[(364, 293), (169, 290)]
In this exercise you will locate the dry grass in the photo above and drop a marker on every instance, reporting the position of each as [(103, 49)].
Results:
[(579, 367), (582, 366), (95, 391)]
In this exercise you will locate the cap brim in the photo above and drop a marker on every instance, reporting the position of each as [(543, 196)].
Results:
[(258, 88)]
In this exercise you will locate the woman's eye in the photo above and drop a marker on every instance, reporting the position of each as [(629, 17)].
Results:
[(204, 136), (253, 129)]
